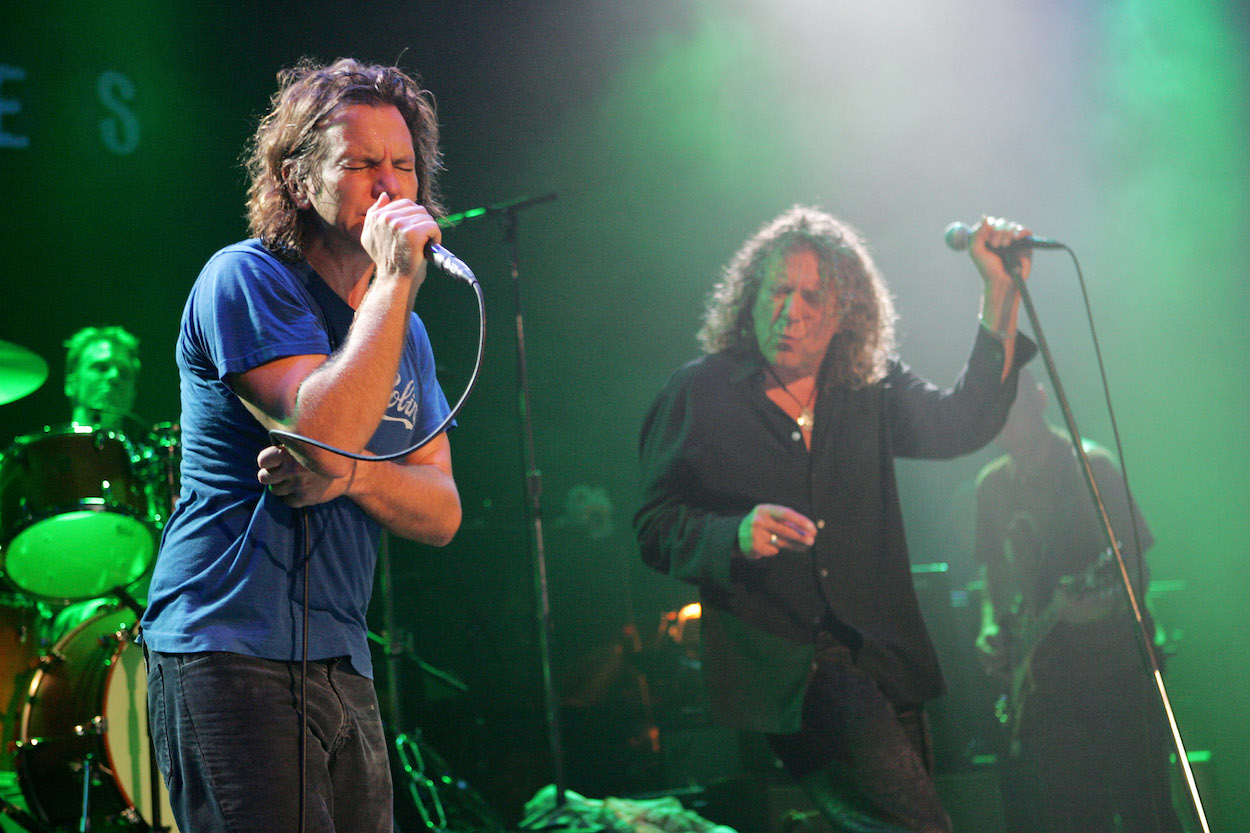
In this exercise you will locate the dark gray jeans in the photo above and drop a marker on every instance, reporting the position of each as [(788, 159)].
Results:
[(226, 729)]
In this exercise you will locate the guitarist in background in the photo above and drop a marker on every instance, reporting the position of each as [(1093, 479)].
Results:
[(1088, 738)]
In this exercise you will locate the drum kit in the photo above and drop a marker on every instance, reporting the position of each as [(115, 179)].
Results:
[(81, 509)]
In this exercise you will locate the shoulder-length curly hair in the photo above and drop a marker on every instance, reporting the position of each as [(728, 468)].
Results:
[(290, 141), (860, 351)]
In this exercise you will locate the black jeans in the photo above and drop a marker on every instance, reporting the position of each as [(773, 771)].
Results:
[(863, 762), (226, 730)]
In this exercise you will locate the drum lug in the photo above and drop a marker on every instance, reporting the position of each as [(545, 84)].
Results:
[(99, 725), (50, 658), (117, 637)]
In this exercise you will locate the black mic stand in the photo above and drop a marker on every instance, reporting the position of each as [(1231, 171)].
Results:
[(533, 489), (396, 646), (436, 794), (1146, 639), (533, 486)]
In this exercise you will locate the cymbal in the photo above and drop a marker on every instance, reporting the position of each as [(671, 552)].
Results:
[(22, 371)]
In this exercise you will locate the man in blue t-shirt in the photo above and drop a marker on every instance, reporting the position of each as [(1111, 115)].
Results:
[(268, 559)]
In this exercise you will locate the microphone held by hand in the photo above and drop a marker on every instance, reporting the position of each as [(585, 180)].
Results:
[(959, 235), (449, 263)]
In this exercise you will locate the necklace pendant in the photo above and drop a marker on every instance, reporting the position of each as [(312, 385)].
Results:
[(806, 419)]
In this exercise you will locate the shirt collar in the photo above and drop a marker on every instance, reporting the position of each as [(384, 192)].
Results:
[(746, 365)]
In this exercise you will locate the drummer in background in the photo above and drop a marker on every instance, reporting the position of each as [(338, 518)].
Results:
[(101, 372), (101, 368)]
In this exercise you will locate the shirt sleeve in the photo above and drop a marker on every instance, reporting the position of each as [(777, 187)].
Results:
[(245, 311), (927, 421), (676, 536)]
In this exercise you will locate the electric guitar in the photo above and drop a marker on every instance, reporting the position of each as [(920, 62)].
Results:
[(1098, 581)]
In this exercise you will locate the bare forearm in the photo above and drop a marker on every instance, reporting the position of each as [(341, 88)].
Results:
[(417, 502), (342, 401), (1000, 312)]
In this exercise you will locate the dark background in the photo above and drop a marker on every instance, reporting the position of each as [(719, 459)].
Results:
[(669, 131)]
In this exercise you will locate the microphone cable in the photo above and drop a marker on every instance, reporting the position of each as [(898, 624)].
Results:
[(1139, 557), (958, 237), (277, 437), (302, 515)]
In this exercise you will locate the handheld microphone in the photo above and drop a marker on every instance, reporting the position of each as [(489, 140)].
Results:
[(450, 265), (959, 235)]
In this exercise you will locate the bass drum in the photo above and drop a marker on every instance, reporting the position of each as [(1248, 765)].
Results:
[(89, 702), (25, 637)]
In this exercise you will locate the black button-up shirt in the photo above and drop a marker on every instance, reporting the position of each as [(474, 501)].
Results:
[(714, 446)]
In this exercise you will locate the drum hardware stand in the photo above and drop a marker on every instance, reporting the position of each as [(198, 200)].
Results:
[(20, 817), (47, 659), (124, 596), (435, 791), (84, 825)]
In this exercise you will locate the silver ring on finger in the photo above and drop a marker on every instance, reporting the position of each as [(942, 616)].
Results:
[(772, 539)]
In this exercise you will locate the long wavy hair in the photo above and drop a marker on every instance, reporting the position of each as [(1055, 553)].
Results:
[(859, 353), (290, 142)]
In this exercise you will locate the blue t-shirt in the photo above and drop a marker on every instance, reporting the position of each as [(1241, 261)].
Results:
[(229, 574)]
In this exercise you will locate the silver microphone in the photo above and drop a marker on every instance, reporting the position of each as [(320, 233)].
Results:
[(959, 235), (449, 263)]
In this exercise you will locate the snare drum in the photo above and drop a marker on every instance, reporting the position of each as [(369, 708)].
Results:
[(76, 520), (90, 698)]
